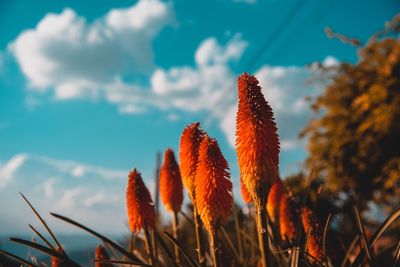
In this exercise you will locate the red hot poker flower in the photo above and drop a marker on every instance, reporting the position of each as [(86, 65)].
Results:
[(314, 247), (101, 254), (213, 186), (274, 200), (139, 205), (56, 262), (190, 141), (257, 142), (171, 189), (245, 194), (287, 218)]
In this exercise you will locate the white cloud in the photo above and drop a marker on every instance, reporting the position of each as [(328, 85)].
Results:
[(47, 187), (8, 170), (50, 186), (69, 199), (77, 169), (98, 199), (200, 88), (82, 60), (78, 58)]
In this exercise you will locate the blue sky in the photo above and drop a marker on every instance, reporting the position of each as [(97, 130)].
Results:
[(105, 84)]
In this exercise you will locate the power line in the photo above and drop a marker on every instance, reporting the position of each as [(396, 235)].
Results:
[(268, 42), (293, 12)]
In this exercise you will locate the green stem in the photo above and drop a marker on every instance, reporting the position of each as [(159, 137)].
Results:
[(262, 224), (175, 223), (198, 225), (149, 246), (214, 245)]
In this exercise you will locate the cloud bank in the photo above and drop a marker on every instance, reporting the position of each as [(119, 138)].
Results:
[(74, 59)]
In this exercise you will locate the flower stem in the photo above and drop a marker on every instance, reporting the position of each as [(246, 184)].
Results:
[(149, 246), (199, 237), (175, 223), (214, 244), (262, 232)]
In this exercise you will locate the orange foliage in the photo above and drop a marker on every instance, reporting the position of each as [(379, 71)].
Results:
[(171, 189), (139, 205), (257, 142), (213, 186)]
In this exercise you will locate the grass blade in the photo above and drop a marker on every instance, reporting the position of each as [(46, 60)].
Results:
[(44, 223), (325, 233), (41, 237), (184, 215), (175, 242), (394, 216), (349, 250), (397, 256), (119, 262), (38, 247), (103, 238), (230, 244), (361, 229), (21, 260)]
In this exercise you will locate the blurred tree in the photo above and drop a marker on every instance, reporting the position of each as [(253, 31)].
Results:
[(354, 142)]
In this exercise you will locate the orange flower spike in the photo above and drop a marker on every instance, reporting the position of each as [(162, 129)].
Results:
[(139, 205), (245, 194), (274, 200), (213, 186), (287, 218), (56, 262), (101, 254), (171, 189), (190, 141), (314, 247), (257, 141)]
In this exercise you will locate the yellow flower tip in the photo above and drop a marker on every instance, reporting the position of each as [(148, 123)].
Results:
[(213, 186), (257, 141), (314, 247), (274, 199), (139, 204), (190, 141), (171, 189)]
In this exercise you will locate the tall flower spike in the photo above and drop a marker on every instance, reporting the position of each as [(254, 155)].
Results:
[(101, 254), (190, 141), (171, 189), (245, 194), (314, 246), (213, 186), (139, 205), (274, 200), (287, 218), (257, 142)]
